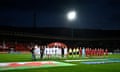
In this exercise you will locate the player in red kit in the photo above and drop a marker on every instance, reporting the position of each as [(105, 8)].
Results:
[(86, 51), (102, 52), (106, 52), (89, 52), (80, 51), (95, 52), (98, 52)]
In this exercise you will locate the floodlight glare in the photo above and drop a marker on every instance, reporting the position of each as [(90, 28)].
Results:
[(71, 15)]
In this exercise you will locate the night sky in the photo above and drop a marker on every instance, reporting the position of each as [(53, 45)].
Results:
[(91, 14)]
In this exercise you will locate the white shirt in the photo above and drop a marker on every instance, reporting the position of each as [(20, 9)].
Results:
[(65, 51), (53, 50), (37, 51)]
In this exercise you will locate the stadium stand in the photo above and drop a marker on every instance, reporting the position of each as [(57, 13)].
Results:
[(43, 36)]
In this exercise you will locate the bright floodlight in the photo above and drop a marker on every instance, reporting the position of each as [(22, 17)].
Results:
[(71, 15)]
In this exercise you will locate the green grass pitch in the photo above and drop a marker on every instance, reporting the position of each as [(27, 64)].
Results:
[(79, 67)]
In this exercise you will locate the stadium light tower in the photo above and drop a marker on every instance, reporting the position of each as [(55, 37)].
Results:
[(71, 16)]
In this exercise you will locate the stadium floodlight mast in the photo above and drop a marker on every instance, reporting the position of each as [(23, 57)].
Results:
[(71, 16)]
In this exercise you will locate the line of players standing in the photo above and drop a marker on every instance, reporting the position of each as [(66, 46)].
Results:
[(88, 51), (45, 51), (74, 51)]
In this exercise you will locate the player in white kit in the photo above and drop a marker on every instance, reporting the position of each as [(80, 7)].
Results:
[(65, 52), (53, 51), (37, 51), (45, 52), (48, 52), (59, 52)]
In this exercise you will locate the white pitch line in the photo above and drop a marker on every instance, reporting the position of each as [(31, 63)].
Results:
[(83, 60)]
